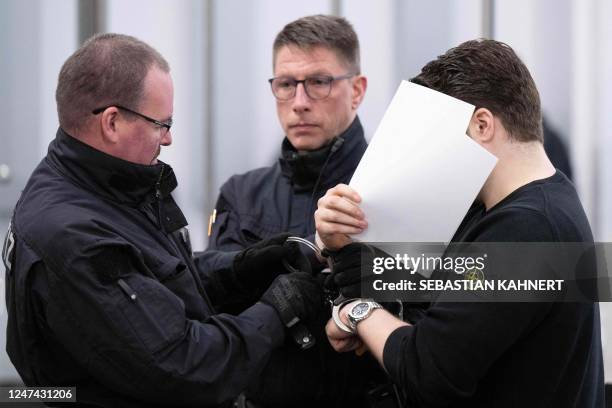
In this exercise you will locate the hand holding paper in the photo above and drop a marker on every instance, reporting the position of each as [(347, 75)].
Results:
[(339, 216), (417, 178)]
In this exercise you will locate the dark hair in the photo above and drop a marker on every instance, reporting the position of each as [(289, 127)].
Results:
[(332, 32), (107, 69), (488, 74)]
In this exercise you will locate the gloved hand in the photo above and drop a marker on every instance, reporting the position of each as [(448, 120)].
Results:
[(347, 264), (296, 297), (254, 268), (347, 278)]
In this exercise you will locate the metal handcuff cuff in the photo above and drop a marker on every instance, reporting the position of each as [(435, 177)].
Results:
[(336, 315), (336, 303), (300, 333), (340, 301)]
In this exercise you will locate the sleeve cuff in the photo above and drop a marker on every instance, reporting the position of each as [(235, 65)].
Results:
[(271, 323), (392, 352)]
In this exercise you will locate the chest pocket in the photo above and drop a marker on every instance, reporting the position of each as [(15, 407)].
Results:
[(156, 316)]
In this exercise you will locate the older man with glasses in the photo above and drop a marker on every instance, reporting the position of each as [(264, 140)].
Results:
[(102, 291)]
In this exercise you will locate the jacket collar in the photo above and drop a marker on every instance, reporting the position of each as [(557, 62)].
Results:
[(108, 176), (327, 166)]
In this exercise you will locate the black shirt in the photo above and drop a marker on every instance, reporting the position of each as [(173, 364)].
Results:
[(507, 354)]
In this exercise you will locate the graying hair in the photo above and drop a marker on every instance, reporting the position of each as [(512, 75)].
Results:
[(332, 32), (107, 69)]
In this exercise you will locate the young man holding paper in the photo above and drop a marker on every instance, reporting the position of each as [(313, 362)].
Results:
[(482, 354)]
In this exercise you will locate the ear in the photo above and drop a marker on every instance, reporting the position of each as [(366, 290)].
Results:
[(109, 125), (360, 84), (482, 126)]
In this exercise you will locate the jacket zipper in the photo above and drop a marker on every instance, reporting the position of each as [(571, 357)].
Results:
[(181, 248), (158, 198)]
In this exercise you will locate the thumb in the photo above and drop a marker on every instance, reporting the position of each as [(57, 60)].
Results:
[(277, 239)]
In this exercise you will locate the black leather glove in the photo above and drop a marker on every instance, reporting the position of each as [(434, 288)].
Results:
[(347, 278), (255, 267), (297, 297), (347, 264)]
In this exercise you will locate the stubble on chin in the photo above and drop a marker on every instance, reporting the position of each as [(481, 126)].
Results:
[(157, 153)]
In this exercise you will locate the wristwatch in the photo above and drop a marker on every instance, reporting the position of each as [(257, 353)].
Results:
[(361, 311)]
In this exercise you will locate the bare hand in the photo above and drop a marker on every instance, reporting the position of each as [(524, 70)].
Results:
[(338, 215), (342, 341)]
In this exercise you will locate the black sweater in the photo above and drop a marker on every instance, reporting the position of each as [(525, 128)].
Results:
[(507, 354)]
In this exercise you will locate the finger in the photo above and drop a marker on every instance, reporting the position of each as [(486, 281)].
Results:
[(334, 333), (341, 345), (340, 340), (337, 217), (351, 291), (331, 329), (278, 239), (329, 283), (334, 242), (292, 250), (345, 191), (273, 254), (350, 344), (337, 345), (327, 229), (348, 282), (344, 278), (342, 205), (361, 349)]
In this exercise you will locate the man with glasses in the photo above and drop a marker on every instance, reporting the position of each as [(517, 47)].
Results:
[(318, 87), (102, 291)]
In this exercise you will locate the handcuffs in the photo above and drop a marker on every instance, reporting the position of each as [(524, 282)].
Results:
[(337, 305), (298, 330), (300, 333)]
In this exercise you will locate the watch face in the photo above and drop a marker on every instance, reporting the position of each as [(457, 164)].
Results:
[(360, 309)]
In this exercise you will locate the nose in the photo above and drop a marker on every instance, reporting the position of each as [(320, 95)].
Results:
[(301, 101), (167, 139)]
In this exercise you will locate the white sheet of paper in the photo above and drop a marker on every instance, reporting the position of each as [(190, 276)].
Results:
[(421, 172)]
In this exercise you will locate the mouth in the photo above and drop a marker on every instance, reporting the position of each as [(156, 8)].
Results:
[(302, 126), (157, 153)]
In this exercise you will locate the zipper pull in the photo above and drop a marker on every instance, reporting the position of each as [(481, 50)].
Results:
[(128, 291), (184, 233)]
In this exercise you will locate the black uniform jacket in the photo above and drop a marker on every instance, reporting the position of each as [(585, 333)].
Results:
[(283, 197), (102, 293)]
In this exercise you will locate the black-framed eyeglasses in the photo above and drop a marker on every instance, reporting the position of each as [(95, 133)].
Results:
[(316, 87), (167, 124)]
